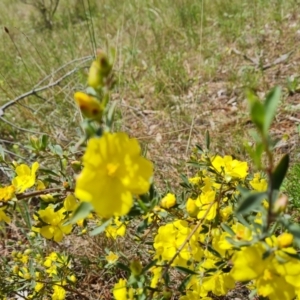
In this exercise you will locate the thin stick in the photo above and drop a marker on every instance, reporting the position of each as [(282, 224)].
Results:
[(37, 193), (35, 90)]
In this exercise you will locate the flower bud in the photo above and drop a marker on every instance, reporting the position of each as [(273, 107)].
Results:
[(191, 208), (90, 106), (76, 165), (280, 204), (99, 69), (136, 267)]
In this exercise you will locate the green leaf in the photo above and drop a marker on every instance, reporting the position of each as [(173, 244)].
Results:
[(257, 113), (45, 139), (185, 270), (280, 172), (81, 212), (213, 251), (250, 201), (100, 228), (199, 149), (226, 228), (123, 267), (270, 105), (149, 266), (56, 149), (294, 229), (183, 285), (110, 114)]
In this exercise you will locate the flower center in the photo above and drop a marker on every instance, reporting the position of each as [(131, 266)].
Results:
[(112, 169)]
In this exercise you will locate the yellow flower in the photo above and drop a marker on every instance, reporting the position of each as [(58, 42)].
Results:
[(120, 291), (59, 293), (274, 286), (171, 237), (25, 178), (70, 203), (112, 257), (40, 185), (226, 212), (230, 168), (156, 277), (118, 228), (195, 180), (258, 183), (248, 263), (168, 201), (206, 208), (90, 106), (113, 171), (220, 283), (52, 257), (7, 193), (38, 286), (55, 228), (3, 216), (285, 240)]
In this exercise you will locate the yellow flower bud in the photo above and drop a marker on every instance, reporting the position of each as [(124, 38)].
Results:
[(90, 106), (136, 267), (191, 208), (27, 251)]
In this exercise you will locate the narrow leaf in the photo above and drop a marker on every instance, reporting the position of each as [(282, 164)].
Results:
[(270, 105), (280, 172), (294, 229), (257, 113), (81, 212), (226, 228), (250, 202), (186, 270), (100, 228)]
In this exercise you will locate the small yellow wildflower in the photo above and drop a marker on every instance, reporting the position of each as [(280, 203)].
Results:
[(168, 201), (113, 172), (230, 168), (25, 178), (120, 291), (59, 293), (55, 220), (111, 257), (3, 216), (70, 203), (207, 208), (38, 286), (285, 240), (7, 193), (258, 183), (118, 228)]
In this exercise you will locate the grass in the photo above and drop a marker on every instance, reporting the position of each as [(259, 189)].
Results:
[(178, 73)]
